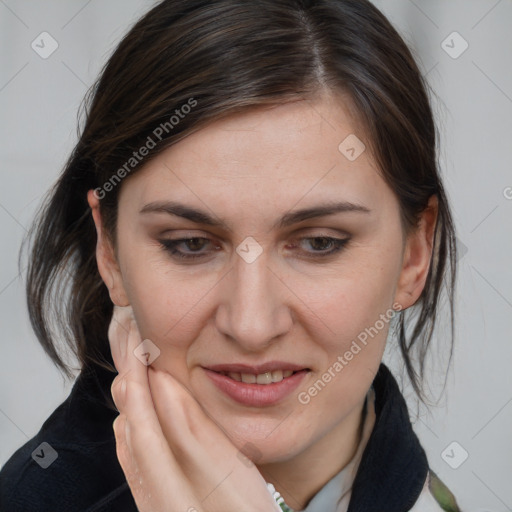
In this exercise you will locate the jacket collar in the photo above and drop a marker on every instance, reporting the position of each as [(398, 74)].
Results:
[(394, 466)]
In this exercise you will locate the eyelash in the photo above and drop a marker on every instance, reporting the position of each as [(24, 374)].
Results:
[(170, 246)]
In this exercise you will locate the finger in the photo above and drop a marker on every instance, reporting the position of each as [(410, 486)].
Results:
[(147, 496), (144, 453), (202, 450), (211, 461), (191, 433), (124, 338), (123, 452), (181, 417), (118, 333), (136, 401), (157, 480)]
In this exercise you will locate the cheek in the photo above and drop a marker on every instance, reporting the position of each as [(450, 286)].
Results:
[(167, 309), (356, 305), (351, 302), (168, 303), (359, 314)]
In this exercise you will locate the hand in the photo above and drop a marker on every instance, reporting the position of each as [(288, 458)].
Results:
[(175, 458)]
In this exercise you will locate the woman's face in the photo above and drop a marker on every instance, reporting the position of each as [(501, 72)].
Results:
[(294, 260)]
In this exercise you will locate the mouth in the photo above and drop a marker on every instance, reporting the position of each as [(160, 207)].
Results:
[(257, 386), (261, 378)]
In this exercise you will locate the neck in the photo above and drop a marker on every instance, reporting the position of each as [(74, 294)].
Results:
[(300, 478)]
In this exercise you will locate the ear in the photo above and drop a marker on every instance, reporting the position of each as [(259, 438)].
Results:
[(417, 256), (105, 257)]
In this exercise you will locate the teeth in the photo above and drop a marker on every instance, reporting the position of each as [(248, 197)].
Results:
[(277, 376), (262, 378), (248, 378)]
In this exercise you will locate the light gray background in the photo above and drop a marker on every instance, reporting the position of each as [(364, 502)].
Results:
[(39, 99)]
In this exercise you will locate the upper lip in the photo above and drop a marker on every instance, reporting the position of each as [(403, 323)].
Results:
[(255, 369)]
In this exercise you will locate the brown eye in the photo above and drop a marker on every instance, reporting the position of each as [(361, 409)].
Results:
[(323, 245), (187, 248)]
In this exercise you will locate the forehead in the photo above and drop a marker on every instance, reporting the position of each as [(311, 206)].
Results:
[(265, 157)]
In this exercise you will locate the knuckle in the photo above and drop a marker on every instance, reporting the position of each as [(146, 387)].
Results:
[(115, 389), (117, 426)]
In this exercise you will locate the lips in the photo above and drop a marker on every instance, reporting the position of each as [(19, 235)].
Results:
[(257, 385)]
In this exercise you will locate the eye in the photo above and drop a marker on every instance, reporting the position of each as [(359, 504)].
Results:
[(324, 245), (195, 245)]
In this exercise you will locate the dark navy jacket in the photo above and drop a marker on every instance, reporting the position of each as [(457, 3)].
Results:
[(87, 477)]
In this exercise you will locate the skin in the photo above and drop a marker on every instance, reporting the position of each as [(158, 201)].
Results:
[(162, 453), (289, 304)]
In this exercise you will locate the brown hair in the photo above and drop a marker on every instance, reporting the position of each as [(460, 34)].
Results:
[(228, 56)]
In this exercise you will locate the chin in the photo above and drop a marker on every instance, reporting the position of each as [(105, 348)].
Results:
[(264, 443)]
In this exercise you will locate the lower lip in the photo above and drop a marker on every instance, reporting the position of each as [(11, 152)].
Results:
[(256, 395)]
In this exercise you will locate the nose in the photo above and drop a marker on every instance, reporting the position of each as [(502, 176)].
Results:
[(254, 311)]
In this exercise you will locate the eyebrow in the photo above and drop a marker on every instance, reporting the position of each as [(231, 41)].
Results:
[(201, 217)]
